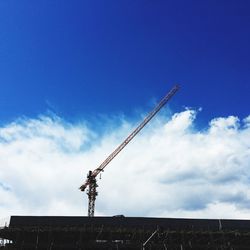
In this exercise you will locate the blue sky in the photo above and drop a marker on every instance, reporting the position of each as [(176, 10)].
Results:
[(76, 76), (82, 58)]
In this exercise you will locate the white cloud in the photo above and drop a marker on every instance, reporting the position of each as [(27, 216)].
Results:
[(170, 169)]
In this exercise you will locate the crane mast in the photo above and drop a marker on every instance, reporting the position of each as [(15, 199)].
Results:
[(91, 182)]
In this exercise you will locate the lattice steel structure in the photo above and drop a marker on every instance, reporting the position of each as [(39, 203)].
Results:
[(91, 178)]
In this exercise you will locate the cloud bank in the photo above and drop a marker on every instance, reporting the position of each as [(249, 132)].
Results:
[(171, 169)]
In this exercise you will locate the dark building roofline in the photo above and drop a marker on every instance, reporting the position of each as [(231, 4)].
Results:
[(130, 222)]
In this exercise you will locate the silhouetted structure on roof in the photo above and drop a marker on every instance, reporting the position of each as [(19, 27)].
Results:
[(55, 233)]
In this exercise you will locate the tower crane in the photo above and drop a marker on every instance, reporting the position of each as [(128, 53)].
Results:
[(91, 182)]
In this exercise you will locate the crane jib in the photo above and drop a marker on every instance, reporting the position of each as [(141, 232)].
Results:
[(91, 182), (133, 134)]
